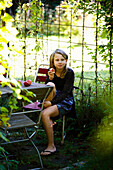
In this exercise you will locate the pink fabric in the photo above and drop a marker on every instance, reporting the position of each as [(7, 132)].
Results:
[(33, 106)]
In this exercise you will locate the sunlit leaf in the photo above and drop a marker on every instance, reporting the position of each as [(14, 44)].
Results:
[(19, 96), (7, 18), (8, 32), (5, 119), (16, 50), (1, 47), (17, 91), (12, 30), (2, 5), (3, 39), (4, 110)]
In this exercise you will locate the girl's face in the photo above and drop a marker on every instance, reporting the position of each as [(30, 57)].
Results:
[(59, 61)]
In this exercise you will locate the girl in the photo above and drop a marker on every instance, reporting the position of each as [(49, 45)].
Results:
[(60, 101)]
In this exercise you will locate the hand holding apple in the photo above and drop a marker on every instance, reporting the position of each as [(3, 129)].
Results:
[(52, 70), (51, 73)]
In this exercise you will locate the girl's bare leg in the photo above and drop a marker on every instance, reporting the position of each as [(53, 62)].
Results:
[(51, 111), (52, 93)]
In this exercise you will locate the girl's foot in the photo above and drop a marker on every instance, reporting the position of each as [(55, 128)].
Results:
[(48, 151)]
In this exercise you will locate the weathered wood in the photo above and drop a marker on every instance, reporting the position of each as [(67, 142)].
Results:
[(20, 121)]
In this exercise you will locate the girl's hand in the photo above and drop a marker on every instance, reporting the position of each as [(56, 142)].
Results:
[(51, 73), (47, 104)]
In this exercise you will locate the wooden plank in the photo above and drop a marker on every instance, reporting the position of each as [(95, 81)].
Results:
[(20, 121)]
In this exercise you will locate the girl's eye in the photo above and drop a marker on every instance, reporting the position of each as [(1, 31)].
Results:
[(59, 60), (56, 60)]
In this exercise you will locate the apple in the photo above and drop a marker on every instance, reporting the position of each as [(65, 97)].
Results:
[(52, 70), (27, 83)]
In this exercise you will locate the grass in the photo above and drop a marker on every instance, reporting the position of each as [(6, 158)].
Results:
[(47, 46)]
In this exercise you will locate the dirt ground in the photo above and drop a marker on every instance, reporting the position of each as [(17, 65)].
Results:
[(68, 155), (72, 153)]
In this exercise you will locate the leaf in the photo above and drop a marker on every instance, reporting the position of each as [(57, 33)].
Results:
[(37, 47), (17, 91), (8, 3), (29, 93), (8, 32), (13, 31), (7, 18), (26, 99), (1, 47), (3, 39), (1, 148), (3, 137), (78, 66), (91, 67), (5, 119), (15, 49), (2, 5), (4, 110)]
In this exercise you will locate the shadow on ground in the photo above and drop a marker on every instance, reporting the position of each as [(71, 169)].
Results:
[(68, 156)]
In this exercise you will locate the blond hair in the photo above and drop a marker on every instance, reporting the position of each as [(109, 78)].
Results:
[(58, 51)]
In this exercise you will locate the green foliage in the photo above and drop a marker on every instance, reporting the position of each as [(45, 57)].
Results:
[(67, 22), (7, 34), (28, 17), (4, 138), (36, 17), (103, 12), (28, 21), (102, 140), (6, 163), (5, 4)]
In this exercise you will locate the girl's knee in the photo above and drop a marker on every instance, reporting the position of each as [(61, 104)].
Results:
[(44, 115), (51, 84)]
